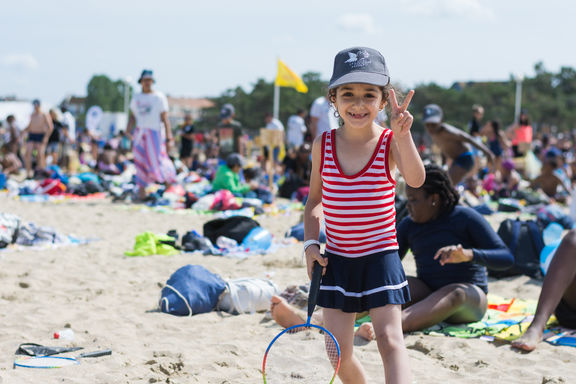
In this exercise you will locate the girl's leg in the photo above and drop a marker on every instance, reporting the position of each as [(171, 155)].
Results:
[(387, 322), (341, 324), (559, 283), (456, 303)]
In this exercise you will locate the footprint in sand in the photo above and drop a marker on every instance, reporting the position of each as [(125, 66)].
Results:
[(420, 347)]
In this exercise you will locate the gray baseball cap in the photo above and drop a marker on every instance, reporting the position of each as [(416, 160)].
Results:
[(359, 65), (227, 111), (432, 114)]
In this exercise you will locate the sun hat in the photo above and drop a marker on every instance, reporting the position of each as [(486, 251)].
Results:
[(432, 114), (146, 74), (359, 65)]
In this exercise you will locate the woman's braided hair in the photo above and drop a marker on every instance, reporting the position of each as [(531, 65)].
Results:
[(437, 181)]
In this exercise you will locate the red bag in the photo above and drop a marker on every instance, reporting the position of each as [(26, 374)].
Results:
[(51, 187)]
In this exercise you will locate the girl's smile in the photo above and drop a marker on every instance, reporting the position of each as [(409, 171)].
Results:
[(358, 103)]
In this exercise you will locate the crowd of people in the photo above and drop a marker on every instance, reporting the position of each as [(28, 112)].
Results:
[(343, 161)]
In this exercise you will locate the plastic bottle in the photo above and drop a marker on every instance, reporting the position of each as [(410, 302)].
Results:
[(224, 242), (64, 334)]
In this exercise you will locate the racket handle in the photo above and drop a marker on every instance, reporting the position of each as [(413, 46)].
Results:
[(314, 288), (104, 352)]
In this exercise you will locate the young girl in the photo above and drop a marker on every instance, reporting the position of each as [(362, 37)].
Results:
[(352, 188)]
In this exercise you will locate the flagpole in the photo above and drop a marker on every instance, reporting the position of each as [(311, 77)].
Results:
[(276, 111)]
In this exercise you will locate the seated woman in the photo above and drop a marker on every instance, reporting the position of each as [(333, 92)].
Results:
[(452, 246), (558, 294)]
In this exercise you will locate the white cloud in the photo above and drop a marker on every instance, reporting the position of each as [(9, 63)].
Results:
[(358, 22), (472, 9), (19, 61)]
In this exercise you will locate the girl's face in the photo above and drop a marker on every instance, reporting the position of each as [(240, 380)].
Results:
[(422, 207), (358, 104), (488, 128)]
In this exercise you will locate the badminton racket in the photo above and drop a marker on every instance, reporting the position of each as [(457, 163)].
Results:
[(56, 361), (303, 353)]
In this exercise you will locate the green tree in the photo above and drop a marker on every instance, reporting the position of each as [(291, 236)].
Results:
[(106, 93), (550, 99)]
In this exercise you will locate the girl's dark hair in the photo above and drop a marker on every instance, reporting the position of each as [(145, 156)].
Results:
[(495, 126), (438, 182)]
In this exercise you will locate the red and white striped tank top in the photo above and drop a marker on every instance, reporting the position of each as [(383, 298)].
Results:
[(358, 209)]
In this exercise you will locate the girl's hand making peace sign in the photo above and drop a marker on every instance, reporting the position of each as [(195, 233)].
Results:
[(401, 119)]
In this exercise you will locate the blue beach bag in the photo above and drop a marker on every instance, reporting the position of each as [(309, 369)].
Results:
[(191, 290)]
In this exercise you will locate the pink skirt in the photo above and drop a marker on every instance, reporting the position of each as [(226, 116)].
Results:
[(150, 158)]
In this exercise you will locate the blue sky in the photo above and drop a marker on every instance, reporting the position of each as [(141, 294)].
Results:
[(201, 48)]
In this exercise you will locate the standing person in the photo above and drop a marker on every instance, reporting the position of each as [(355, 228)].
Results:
[(12, 138), (521, 135), (152, 137), (496, 140), (454, 143), (68, 135), (53, 146), (187, 133), (273, 124), (452, 246), (558, 295), (352, 187), (322, 117), (229, 133), (475, 125), (37, 133), (296, 129)]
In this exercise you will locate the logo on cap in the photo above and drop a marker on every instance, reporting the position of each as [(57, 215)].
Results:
[(358, 59)]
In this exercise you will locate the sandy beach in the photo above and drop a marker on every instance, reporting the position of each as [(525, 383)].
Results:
[(110, 301)]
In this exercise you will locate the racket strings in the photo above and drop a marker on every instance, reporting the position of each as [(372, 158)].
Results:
[(302, 355)]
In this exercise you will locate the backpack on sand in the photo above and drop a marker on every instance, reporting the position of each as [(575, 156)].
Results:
[(235, 227), (191, 290), (525, 241)]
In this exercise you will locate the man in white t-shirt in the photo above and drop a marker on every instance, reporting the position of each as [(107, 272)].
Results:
[(296, 129), (273, 123), (152, 138), (69, 123), (322, 117)]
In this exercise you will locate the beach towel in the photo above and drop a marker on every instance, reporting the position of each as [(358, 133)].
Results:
[(191, 290), (505, 320)]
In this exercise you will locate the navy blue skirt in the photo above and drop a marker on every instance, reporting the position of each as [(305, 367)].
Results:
[(361, 283)]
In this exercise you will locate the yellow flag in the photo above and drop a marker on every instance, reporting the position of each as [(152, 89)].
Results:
[(287, 78)]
